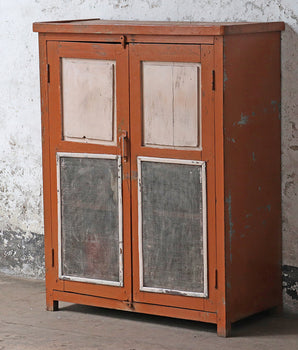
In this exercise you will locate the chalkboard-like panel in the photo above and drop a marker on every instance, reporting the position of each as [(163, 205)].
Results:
[(90, 224), (172, 230)]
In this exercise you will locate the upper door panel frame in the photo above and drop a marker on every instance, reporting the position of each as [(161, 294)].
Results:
[(96, 51), (157, 53)]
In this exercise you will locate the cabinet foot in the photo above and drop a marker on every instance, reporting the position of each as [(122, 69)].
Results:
[(52, 305), (224, 330)]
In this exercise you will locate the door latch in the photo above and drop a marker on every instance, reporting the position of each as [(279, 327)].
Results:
[(123, 41), (123, 139)]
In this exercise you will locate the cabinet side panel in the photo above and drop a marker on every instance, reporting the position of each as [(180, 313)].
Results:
[(252, 172), (51, 304)]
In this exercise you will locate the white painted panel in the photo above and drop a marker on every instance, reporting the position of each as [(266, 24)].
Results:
[(185, 82), (171, 104), (88, 98), (157, 104)]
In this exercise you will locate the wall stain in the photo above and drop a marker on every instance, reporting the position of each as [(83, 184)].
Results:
[(249, 5), (288, 185), (22, 253), (153, 4), (293, 128), (290, 280), (120, 4)]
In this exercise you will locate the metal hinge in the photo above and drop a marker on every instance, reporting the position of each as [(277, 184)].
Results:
[(213, 80), (123, 41), (53, 258), (216, 279), (48, 72)]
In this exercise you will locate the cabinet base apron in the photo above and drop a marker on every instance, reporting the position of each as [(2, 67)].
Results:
[(159, 310)]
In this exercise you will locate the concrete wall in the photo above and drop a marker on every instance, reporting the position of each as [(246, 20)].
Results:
[(21, 221)]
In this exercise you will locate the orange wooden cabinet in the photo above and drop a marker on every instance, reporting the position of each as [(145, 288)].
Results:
[(161, 166)]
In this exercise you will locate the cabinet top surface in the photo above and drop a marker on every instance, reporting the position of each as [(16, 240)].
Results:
[(97, 26)]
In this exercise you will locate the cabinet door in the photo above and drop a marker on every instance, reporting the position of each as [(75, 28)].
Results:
[(90, 190), (173, 194)]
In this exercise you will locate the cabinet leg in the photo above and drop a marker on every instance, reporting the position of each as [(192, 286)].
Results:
[(224, 330), (52, 305)]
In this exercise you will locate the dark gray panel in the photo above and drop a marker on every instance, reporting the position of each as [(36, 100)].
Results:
[(89, 218), (172, 224)]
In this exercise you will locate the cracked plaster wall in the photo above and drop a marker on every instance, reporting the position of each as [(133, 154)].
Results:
[(21, 221)]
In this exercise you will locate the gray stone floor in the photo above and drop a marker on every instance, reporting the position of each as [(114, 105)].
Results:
[(24, 324)]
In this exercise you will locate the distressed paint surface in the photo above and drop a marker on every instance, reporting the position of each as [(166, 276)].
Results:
[(255, 159), (20, 151)]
